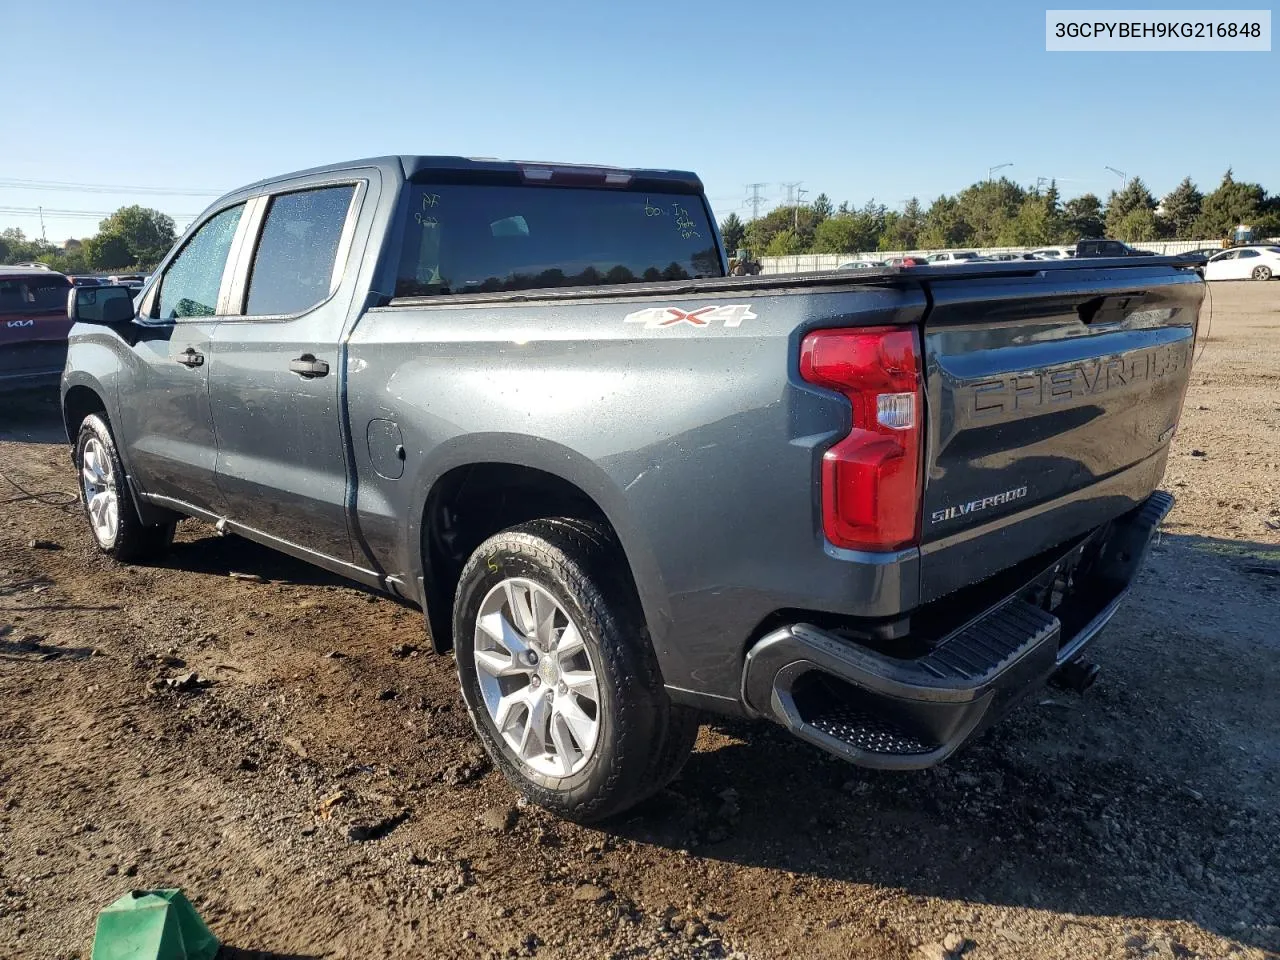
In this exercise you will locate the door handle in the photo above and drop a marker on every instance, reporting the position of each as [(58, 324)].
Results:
[(308, 367), (190, 358)]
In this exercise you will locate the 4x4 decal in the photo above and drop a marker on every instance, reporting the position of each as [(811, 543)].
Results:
[(654, 317)]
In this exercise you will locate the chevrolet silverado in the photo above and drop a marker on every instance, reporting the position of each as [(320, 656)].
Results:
[(876, 507)]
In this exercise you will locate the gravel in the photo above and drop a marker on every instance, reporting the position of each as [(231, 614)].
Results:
[(1138, 821)]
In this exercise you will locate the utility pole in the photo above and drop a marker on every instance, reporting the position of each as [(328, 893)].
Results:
[(755, 200), (799, 202), (1124, 177), (998, 166), (42, 233)]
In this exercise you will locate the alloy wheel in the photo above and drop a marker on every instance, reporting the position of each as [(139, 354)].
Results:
[(536, 677), (101, 497)]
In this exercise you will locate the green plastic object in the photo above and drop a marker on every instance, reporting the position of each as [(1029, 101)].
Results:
[(153, 925)]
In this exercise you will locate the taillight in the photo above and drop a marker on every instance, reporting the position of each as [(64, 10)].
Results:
[(871, 482)]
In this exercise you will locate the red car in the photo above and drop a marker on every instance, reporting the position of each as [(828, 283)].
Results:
[(33, 327)]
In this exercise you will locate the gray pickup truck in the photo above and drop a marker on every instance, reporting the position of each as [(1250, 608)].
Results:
[(877, 507)]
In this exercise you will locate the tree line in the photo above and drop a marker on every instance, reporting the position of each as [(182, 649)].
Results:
[(993, 213), (131, 240), (1001, 213)]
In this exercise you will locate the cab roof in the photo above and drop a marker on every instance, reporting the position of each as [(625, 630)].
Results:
[(425, 167)]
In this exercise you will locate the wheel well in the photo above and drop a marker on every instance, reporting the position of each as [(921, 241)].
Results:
[(78, 404), (470, 504)]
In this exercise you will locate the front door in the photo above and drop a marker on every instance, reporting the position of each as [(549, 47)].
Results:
[(166, 417), (275, 389)]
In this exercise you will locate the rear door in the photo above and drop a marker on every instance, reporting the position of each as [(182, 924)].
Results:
[(276, 386), (1051, 401)]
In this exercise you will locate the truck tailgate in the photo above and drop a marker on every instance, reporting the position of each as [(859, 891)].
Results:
[(1051, 400)]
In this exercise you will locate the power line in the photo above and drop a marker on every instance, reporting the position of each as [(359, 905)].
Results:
[(75, 214), (755, 200), (17, 183)]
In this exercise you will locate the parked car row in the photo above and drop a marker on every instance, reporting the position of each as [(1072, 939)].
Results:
[(1085, 248), (1251, 262), (134, 280)]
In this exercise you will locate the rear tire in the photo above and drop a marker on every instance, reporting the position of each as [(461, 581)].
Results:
[(1262, 273), (558, 672), (114, 523)]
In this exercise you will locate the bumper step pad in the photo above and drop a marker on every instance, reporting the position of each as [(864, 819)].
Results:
[(867, 732), (986, 647)]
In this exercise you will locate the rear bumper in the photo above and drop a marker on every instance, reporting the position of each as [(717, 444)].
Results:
[(877, 710)]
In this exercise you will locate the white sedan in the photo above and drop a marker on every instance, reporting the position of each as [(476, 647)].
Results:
[(1243, 263)]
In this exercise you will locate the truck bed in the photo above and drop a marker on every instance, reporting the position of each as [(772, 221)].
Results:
[(710, 427)]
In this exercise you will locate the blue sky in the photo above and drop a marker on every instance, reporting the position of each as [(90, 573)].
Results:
[(857, 100)]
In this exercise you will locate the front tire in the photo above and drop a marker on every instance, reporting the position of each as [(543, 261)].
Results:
[(1262, 273), (558, 673), (113, 519)]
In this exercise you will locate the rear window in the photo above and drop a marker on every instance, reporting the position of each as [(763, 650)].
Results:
[(473, 238), (293, 268), (34, 294)]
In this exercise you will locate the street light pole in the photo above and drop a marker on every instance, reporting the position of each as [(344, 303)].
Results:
[(998, 166)]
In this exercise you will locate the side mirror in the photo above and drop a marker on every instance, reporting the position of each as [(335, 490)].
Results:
[(106, 306)]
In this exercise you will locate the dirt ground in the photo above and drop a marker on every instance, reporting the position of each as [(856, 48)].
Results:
[(324, 796)]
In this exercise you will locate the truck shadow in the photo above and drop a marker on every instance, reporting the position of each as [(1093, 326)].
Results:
[(227, 555), (987, 830), (1147, 797), (32, 416)]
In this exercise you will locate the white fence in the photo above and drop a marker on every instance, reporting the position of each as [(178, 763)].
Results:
[(818, 262)]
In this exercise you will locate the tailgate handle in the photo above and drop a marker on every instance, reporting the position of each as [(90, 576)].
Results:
[(1109, 309)]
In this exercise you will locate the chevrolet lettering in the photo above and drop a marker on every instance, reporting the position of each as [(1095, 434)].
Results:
[(1061, 384)]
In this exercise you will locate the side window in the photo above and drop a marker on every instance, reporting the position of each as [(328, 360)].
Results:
[(293, 265), (189, 287), (1245, 254)]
